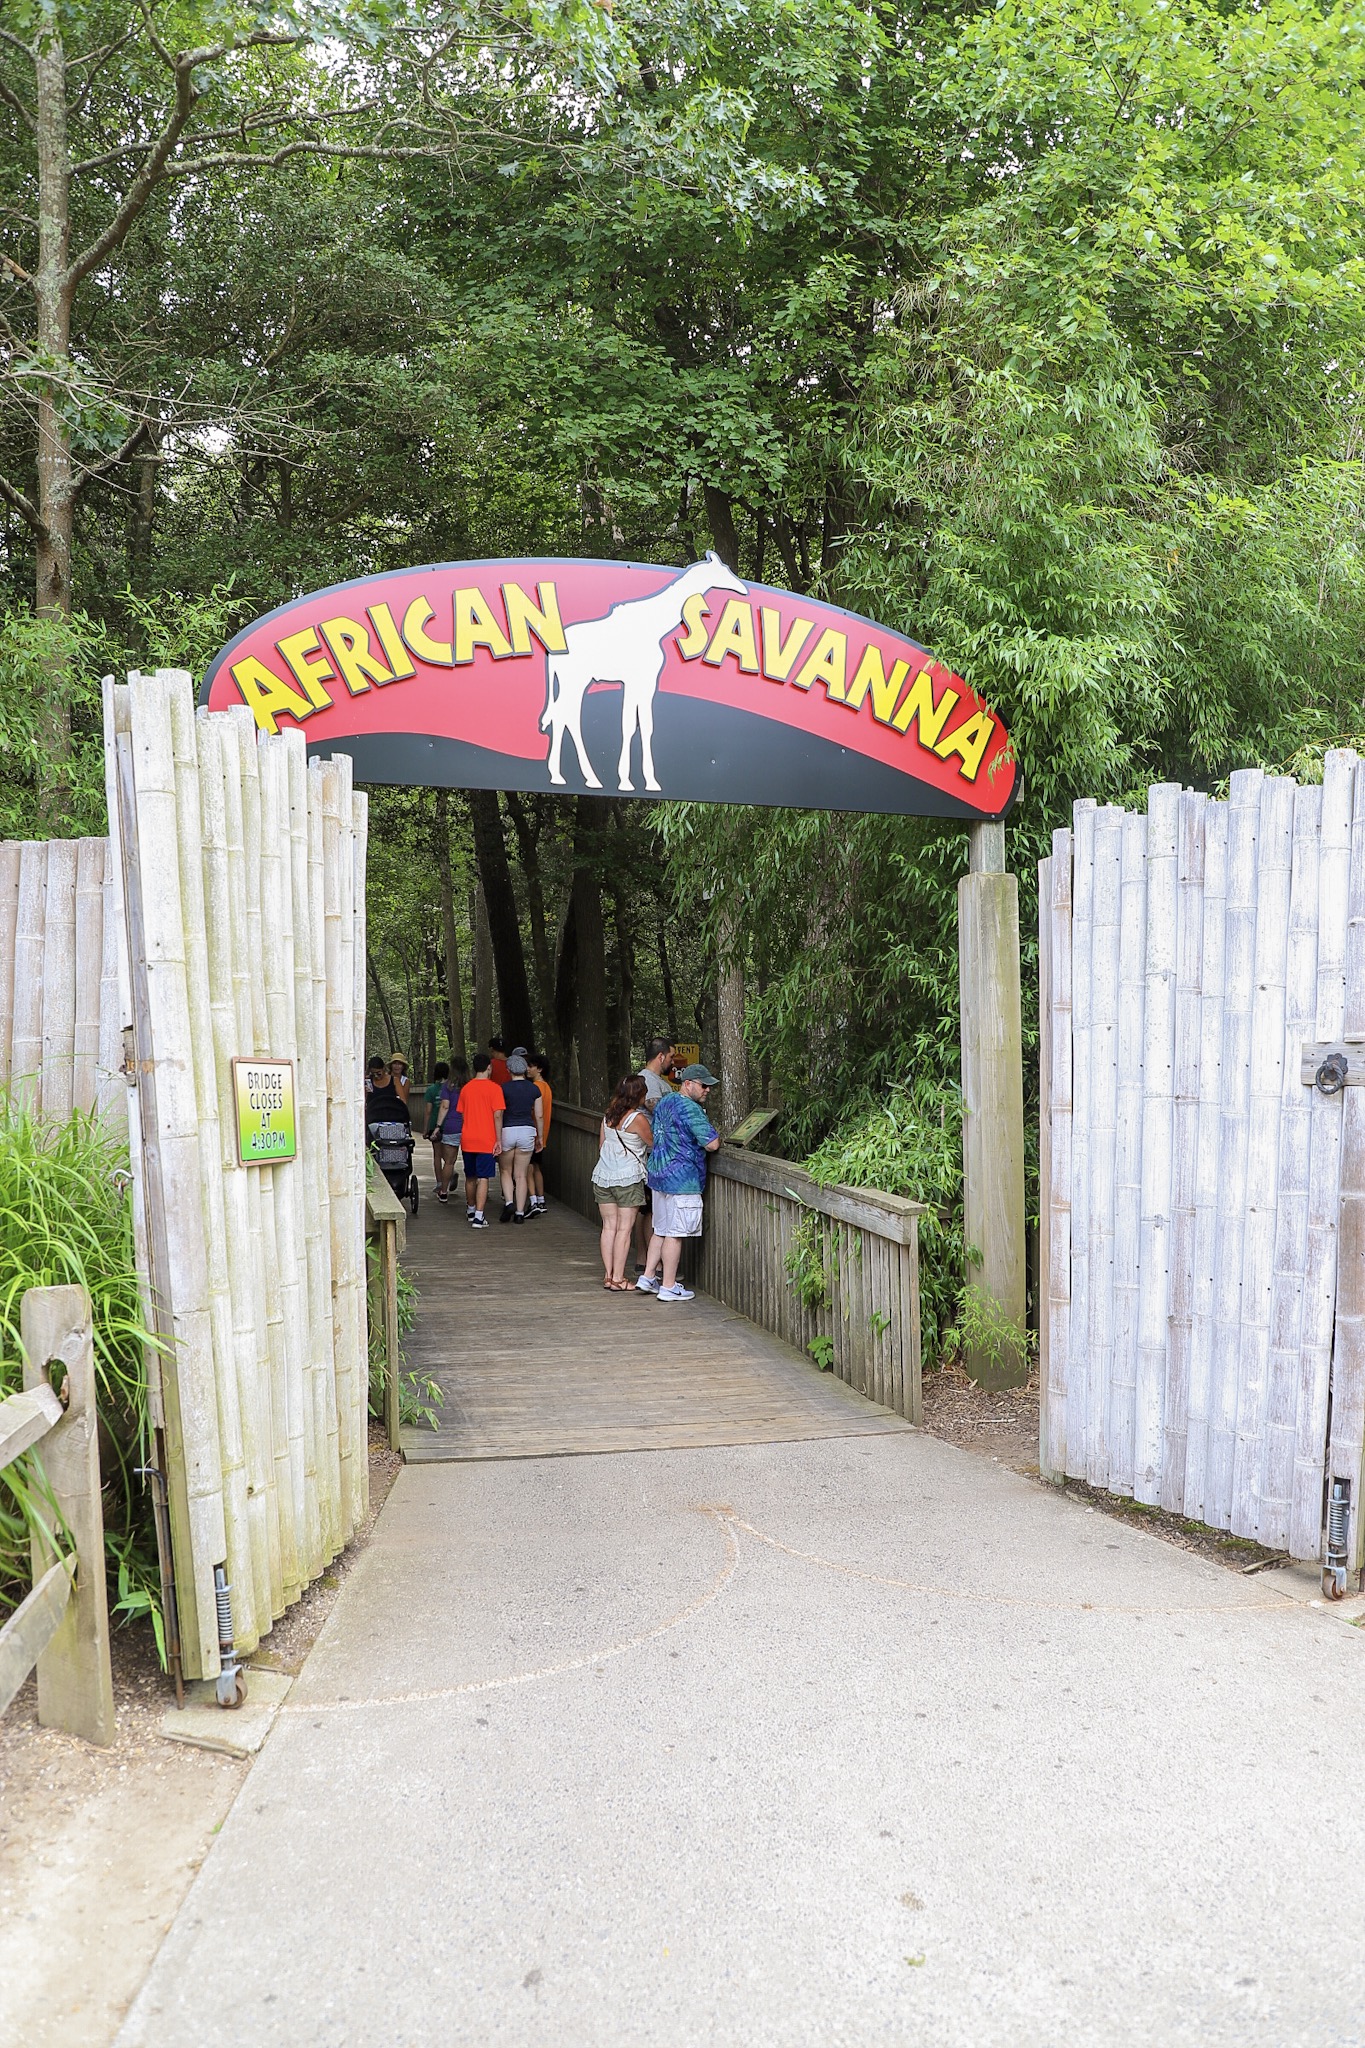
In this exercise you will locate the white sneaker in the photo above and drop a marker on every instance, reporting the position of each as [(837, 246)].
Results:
[(647, 1284), (677, 1293)]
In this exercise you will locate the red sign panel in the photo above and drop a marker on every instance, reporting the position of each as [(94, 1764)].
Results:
[(624, 678)]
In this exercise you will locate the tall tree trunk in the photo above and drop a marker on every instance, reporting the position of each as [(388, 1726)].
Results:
[(431, 1004), (528, 846), (483, 970), (449, 938), (411, 1046), (504, 925), (566, 973), (55, 474), (590, 981), (625, 957), (384, 1010), (734, 1055), (142, 519), (666, 977), (720, 517)]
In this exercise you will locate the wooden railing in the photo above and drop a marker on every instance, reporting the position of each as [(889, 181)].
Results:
[(859, 1249), (63, 1625), (386, 1221)]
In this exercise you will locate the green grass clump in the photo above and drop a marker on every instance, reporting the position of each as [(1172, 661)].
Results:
[(66, 1219), (907, 1140)]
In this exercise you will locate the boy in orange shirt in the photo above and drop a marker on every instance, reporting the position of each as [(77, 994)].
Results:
[(481, 1106), (537, 1070)]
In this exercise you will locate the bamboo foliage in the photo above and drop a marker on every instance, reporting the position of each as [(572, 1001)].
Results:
[(234, 876), (1200, 1324)]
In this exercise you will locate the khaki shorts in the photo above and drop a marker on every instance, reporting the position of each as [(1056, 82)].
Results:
[(631, 1196)]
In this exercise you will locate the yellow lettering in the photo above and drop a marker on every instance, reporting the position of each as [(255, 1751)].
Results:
[(779, 655), (296, 648), (350, 645), (734, 635), (475, 626), (269, 697), (885, 688), (391, 640), (970, 740), (523, 619), (696, 611), (415, 621), (918, 703), (828, 664)]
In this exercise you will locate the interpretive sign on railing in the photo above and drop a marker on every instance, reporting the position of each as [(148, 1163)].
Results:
[(551, 674)]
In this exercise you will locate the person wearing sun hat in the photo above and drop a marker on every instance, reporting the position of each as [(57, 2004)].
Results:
[(683, 1135)]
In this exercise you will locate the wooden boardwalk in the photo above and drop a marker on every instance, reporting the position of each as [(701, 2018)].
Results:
[(537, 1360)]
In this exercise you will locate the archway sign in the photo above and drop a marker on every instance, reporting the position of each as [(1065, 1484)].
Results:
[(583, 675)]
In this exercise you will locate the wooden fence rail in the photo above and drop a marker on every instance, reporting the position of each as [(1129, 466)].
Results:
[(867, 1327), (63, 1625), (386, 1222)]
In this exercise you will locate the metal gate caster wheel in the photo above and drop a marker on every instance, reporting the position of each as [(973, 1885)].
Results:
[(231, 1688)]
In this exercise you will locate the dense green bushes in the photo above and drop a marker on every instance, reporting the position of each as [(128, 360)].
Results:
[(65, 1218)]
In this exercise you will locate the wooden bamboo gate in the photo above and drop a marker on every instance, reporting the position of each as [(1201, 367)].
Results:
[(239, 872), (1203, 1263), (867, 1242)]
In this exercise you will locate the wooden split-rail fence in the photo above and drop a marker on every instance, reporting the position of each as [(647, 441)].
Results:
[(860, 1247), (62, 1628), (1203, 1170)]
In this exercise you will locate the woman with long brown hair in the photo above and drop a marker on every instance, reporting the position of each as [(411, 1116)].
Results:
[(618, 1179)]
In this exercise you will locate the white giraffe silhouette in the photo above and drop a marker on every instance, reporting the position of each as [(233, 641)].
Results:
[(625, 647)]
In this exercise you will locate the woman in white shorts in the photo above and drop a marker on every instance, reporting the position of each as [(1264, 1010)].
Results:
[(618, 1179), (523, 1128)]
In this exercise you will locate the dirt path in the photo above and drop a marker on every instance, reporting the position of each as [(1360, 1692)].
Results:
[(98, 1847)]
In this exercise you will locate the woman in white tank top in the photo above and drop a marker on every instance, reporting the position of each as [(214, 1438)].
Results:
[(618, 1179)]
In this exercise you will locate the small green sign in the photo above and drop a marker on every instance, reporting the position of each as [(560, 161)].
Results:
[(266, 1131)]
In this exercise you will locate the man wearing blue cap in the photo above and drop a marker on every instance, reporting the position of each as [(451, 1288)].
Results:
[(683, 1136)]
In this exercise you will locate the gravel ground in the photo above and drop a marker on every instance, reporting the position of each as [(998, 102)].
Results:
[(98, 1846), (1004, 1426)]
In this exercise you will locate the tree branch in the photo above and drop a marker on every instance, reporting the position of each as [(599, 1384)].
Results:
[(90, 471), (24, 49), (12, 99), (15, 269), (147, 179), (26, 509)]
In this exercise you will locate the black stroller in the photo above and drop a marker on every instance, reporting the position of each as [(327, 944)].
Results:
[(393, 1146)]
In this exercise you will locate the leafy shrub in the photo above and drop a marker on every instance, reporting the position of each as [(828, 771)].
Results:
[(907, 1140), (65, 1219), (418, 1393)]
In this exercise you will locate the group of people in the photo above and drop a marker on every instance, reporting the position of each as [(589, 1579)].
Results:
[(650, 1176), (494, 1121)]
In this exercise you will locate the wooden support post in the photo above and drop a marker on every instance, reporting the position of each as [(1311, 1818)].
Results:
[(388, 1280), (993, 1100), (75, 1687)]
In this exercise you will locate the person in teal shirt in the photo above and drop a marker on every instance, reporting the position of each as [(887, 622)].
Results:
[(683, 1135)]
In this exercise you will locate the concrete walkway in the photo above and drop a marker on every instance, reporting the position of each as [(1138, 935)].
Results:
[(837, 1743)]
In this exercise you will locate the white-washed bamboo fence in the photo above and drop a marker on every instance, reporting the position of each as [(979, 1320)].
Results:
[(867, 1326), (60, 1046), (239, 867), (1203, 1296)]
